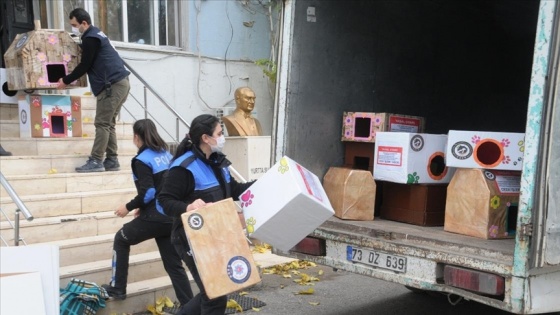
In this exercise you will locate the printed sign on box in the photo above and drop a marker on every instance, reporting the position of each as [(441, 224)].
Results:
[(362, 127), (285, 205), (487, 150), (411, 158)]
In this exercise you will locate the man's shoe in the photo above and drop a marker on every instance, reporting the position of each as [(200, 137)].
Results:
[(4, 152), (92, 165), (112, 164), (114, 293)]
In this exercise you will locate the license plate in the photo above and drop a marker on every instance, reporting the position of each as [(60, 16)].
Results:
[(376, 259)]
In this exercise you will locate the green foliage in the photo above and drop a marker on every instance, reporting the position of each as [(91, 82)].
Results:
[(268, 67)]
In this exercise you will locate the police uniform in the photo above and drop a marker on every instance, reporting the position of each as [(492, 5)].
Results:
[(148, 169), (193, 176)]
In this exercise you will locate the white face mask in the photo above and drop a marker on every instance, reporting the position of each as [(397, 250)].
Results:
[(76, 31), (220, 142)]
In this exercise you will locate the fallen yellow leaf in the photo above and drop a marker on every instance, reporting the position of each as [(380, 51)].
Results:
[(231, 303), (314, 303), (53, 171), (243, 293), (320, 272), (256, 309), (306, 292)]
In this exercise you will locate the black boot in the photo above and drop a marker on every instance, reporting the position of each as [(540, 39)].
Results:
[(4, 152)]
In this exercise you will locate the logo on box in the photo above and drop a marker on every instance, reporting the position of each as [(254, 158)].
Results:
[(462, 150)]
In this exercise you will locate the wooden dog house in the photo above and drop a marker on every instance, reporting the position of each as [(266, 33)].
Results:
[(36, 60)]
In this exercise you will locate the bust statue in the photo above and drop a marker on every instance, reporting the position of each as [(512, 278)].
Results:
[(240, 122)]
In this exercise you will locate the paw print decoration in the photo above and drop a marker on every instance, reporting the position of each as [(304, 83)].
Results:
[(247, 199)]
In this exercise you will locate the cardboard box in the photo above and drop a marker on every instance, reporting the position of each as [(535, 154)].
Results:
[(250, 156), (359, 155), (221, 252), (485, 150), (36, 60), (50, 116), (420, 204), (483, 203), (362, 127), (351, 193), (411, 158), (285, 205)]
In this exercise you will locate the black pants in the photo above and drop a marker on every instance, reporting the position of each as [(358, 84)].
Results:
[(200, 304), (137, 231)]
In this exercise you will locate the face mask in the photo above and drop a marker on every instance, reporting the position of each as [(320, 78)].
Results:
[(76, 31), (220, 142)]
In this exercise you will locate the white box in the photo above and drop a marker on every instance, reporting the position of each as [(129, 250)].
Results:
[(487, 150), (43, 259), (285, 205), (250, 156), (411, 158), (22, 293), (6, 96)]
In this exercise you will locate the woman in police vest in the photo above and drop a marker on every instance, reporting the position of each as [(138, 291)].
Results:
[(148, 169), (198, 175)]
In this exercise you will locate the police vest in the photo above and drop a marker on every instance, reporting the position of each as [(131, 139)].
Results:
[(158, 163), (108, 67)]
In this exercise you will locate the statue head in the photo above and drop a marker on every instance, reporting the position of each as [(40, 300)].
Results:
[(245, 99)]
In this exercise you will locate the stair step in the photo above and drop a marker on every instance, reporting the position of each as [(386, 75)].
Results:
[(65, 227), (9, 112), (72, 203), (141, 294), (68, 182), (140, 267), (10, 129), (54, 146), (45, 164), (86, 249)]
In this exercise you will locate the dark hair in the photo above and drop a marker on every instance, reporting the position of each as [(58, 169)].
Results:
[(80, 15), (147, 131), (202, 125)]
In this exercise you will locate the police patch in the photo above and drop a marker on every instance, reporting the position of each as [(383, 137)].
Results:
[(238, 269), (462, 150), (195, 221)]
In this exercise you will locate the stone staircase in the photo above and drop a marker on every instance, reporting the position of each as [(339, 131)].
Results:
[(75, 211)]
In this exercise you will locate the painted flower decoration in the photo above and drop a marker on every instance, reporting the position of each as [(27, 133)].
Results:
[(506, 160), (377, 121), (53, 40), (475, 139), (42, 57), (36, 102), (37, 127), (495, 202), (412, 178), (493, 231), (66, 58), (347, 133), (42, 81), (505, 143), (348, 120)]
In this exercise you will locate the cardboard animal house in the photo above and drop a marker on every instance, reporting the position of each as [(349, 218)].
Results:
[(351, 193), (361, 127), (483, 203), (359, 155), (50, 116), (485, 150), (285, 205), (411, 158), (38, 59), (419, 204), (220, 250)]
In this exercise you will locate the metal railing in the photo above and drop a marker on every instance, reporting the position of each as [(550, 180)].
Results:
[(178, 119), (21, 208)]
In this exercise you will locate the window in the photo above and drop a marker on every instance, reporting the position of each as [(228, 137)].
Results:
[(150, 22)]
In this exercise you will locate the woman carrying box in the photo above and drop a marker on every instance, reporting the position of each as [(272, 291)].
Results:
[(198, 175)]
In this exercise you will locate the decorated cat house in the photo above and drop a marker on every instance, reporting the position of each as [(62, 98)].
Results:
[(361, 126), (36, 60), (51, 116)]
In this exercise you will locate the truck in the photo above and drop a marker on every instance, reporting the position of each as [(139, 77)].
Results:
[(462, 65)]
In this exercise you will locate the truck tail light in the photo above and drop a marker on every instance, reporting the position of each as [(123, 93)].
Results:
[(472, 280), (311, 246)]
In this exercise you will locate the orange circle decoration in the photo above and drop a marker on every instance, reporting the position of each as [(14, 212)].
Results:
[(488, 153), (439, 176)]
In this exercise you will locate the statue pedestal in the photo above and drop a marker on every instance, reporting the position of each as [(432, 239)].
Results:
[(250, 156)]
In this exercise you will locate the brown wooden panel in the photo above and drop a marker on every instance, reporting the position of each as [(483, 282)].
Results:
[(221, 252)]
